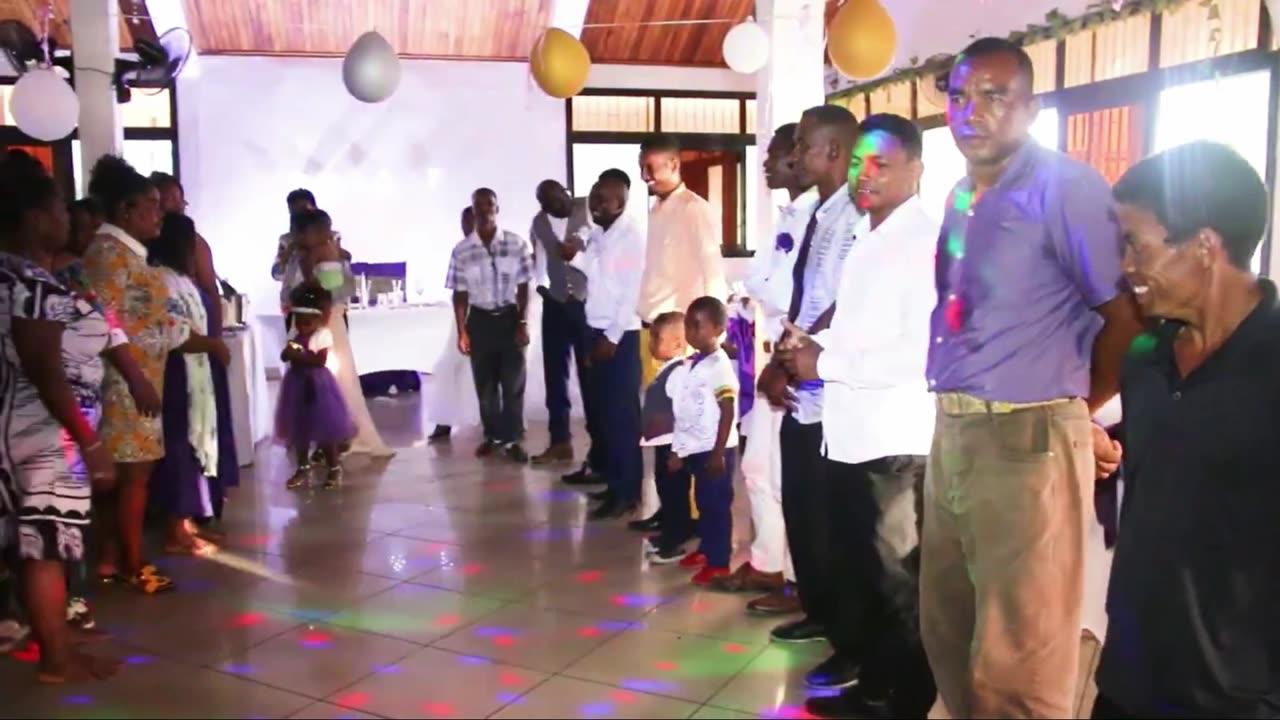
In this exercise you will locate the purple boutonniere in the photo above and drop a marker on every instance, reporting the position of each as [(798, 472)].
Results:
[(785, 242)]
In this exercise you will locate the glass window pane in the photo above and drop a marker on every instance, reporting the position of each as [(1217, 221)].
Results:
[(700, 115), (1194, 112), (612, 113), (147, 109), (147, 156)]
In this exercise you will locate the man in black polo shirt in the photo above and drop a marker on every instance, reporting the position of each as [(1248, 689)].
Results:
[(1194, 601)]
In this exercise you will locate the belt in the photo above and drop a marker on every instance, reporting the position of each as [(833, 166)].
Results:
[(962, 404), (504, 310)]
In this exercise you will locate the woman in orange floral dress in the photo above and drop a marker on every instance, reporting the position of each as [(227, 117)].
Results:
[(115, 267)]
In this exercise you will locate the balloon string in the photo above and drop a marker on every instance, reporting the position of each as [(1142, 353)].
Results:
[(46, 14)]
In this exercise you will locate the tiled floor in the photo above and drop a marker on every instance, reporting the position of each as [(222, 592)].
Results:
[(433, 586)]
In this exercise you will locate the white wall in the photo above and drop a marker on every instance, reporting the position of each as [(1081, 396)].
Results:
[(394, 176)]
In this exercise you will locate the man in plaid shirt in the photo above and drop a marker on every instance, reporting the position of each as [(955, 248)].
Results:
[(489, 274)]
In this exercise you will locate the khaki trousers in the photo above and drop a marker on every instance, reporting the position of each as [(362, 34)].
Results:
[(1008, 493)]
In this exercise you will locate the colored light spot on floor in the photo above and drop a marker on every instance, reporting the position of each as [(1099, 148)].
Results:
[(354, 700), (474, 660), (240, 669), (248, 619), (510, 698), (787, 712), (472, 569), (700, 606), (589, 632), (665, 666), (734, 648), (657, 687), (510, 679), (504, 641), (77, 700), (138, 660), (613, 626), (447, 620), (623, 697), (590, 576), (438, 709), (316, 639), (595, 710), (635, 600)]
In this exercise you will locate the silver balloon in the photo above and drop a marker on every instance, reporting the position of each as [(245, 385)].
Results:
[(371, 69)]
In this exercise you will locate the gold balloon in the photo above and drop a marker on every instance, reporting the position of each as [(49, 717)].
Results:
[(861, 39), (559, 63)]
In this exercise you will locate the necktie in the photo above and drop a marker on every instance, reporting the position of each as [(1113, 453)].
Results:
[(797, 272)]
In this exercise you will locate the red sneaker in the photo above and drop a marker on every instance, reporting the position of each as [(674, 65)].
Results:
[(693, 560), (707, 574)]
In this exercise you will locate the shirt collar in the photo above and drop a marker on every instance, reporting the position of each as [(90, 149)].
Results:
[(899, 218), (125, 239), (836, 202), (806, 199), (1022, 161)]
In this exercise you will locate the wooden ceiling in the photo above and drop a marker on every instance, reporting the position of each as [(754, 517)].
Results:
[(464, 29), (133, 12), (474, 29), (696, 44)]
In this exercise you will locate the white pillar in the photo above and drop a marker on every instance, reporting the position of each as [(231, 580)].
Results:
[(97, 42), (788, 85)]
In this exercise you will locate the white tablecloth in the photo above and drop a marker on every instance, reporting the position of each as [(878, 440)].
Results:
[(251, 410), (402, 338)]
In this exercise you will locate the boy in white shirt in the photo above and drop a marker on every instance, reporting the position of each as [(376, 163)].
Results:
[(704, 395)]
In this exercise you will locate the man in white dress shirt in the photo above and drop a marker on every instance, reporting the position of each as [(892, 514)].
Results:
[(769, 284), (878, 418), (824, 144), (613, 261), (489, 274)]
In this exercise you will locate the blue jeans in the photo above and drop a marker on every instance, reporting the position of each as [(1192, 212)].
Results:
[(714, 494), (616, 389)]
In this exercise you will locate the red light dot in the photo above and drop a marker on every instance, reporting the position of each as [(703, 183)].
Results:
[(354, 700), (438, 709), (618, 599), (510, 679), (589, 632), (699, 606), (622, 696), (590, 576), (504, 641), (473, 569), (665, 665), (248, 619), (447, 620), (316, 637), (734, 648)]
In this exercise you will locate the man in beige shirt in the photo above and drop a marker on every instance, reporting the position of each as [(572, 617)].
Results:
[(683, 261)]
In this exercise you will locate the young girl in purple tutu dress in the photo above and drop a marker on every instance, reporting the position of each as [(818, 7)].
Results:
[(310, 412)]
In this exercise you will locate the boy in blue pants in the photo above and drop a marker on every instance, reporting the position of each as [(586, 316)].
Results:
[(704, 397)]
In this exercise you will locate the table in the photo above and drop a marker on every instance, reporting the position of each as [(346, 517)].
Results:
[(408, 337), (251, 409)]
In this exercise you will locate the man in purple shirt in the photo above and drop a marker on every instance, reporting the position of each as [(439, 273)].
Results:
[(1031, 324)]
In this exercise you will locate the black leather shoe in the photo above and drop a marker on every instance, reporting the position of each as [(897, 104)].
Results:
[(799, 631), (612, 510), (583, 476), (833, 673), (852, 703), (649, 524)]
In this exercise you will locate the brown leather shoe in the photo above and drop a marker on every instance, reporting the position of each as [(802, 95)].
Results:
[(748, 579), (561, 453), (783, 601)]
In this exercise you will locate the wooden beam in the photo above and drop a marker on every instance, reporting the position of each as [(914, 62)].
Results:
[(138, 20)]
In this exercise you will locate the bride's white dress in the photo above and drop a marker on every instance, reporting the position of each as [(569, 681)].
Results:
[(367, 440)]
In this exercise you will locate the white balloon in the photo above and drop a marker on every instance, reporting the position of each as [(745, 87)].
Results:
[(44, 106), (746, 47), (371, 69)]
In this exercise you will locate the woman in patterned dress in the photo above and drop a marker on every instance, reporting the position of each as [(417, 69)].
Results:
[(135, 294), (52, 457), (189, 481)]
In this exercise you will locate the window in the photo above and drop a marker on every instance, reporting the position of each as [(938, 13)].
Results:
[(612, 113), (147, 156), (701, 115)]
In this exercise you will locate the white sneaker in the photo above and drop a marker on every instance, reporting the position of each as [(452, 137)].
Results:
[(12, 634), (79, 614)]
